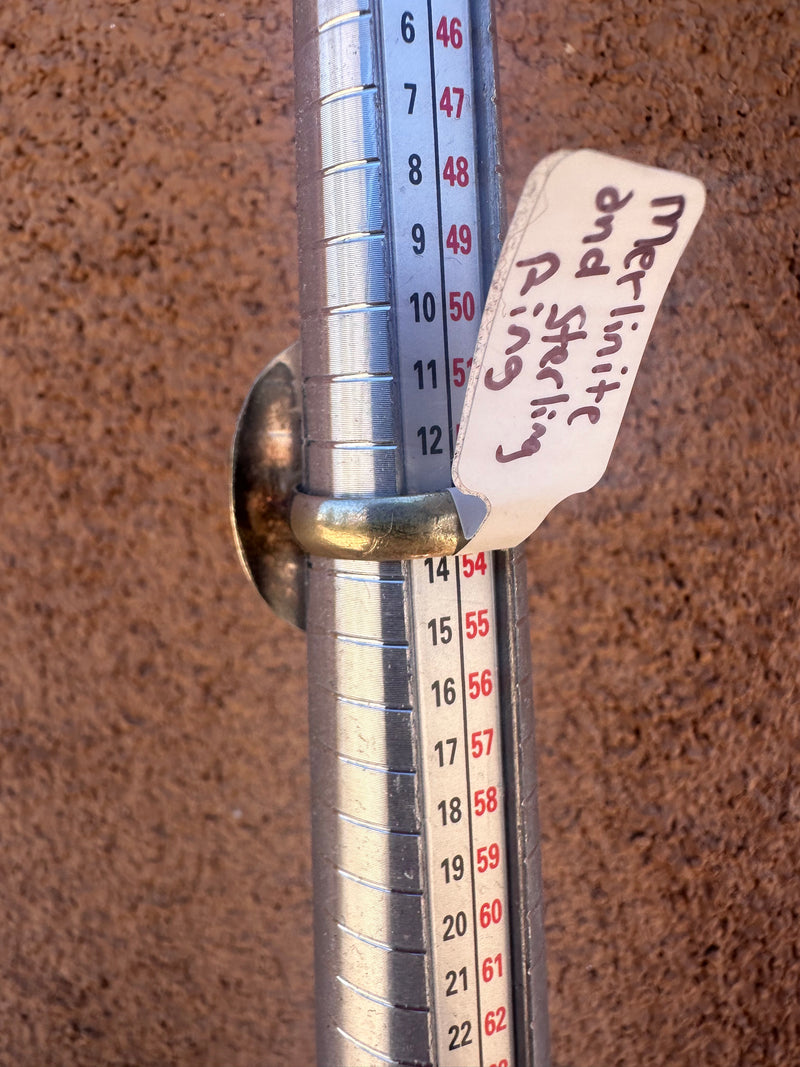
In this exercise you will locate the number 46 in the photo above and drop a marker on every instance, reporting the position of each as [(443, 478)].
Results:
[(450, 33)]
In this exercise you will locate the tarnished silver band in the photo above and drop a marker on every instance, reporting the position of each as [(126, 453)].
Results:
[(377, 528)]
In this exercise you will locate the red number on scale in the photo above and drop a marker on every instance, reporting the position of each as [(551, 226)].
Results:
[(494, 1022), (449, 33), (488, 859), (481, 743), (476, 623), (485, 800), (456, 171), (480, 684), (492, 967), (446, 104), (459, 239), (462, 305), (470, 565), (459, 375), (491, 912)]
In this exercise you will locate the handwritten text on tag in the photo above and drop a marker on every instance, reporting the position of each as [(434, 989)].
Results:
[(588, 257)]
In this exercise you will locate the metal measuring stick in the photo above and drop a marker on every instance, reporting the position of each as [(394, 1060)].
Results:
[(427, 886)]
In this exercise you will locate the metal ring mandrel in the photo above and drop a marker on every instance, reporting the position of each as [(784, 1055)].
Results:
[(377, 528)]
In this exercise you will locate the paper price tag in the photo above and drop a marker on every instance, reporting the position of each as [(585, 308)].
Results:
[(587, 260)]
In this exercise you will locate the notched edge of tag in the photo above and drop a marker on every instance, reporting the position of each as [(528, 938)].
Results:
[(473, 511)]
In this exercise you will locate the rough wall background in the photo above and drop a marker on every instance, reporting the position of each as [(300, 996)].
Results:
[(154, 851)]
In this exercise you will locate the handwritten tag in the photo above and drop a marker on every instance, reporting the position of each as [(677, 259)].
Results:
[(587, 260)]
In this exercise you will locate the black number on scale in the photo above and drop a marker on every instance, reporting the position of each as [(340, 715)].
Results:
[(418, 237), (452, 743), (454, 868), (448, 690), (428, 305), (412, 88), (459, 1036), (452, 978), (420, 376), (437, 568), (407, 27), (441, 630), (432, 448), (454, 813), (415, 169), (457, 923)]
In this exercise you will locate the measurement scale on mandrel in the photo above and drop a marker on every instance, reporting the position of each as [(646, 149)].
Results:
[(427, 888)]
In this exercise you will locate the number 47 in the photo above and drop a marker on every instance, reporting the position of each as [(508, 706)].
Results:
[(446, 101)]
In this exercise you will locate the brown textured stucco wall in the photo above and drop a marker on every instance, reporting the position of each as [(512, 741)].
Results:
[(154, 834)]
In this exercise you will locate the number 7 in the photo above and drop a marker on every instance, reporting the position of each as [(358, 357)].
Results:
[(412, 88)]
